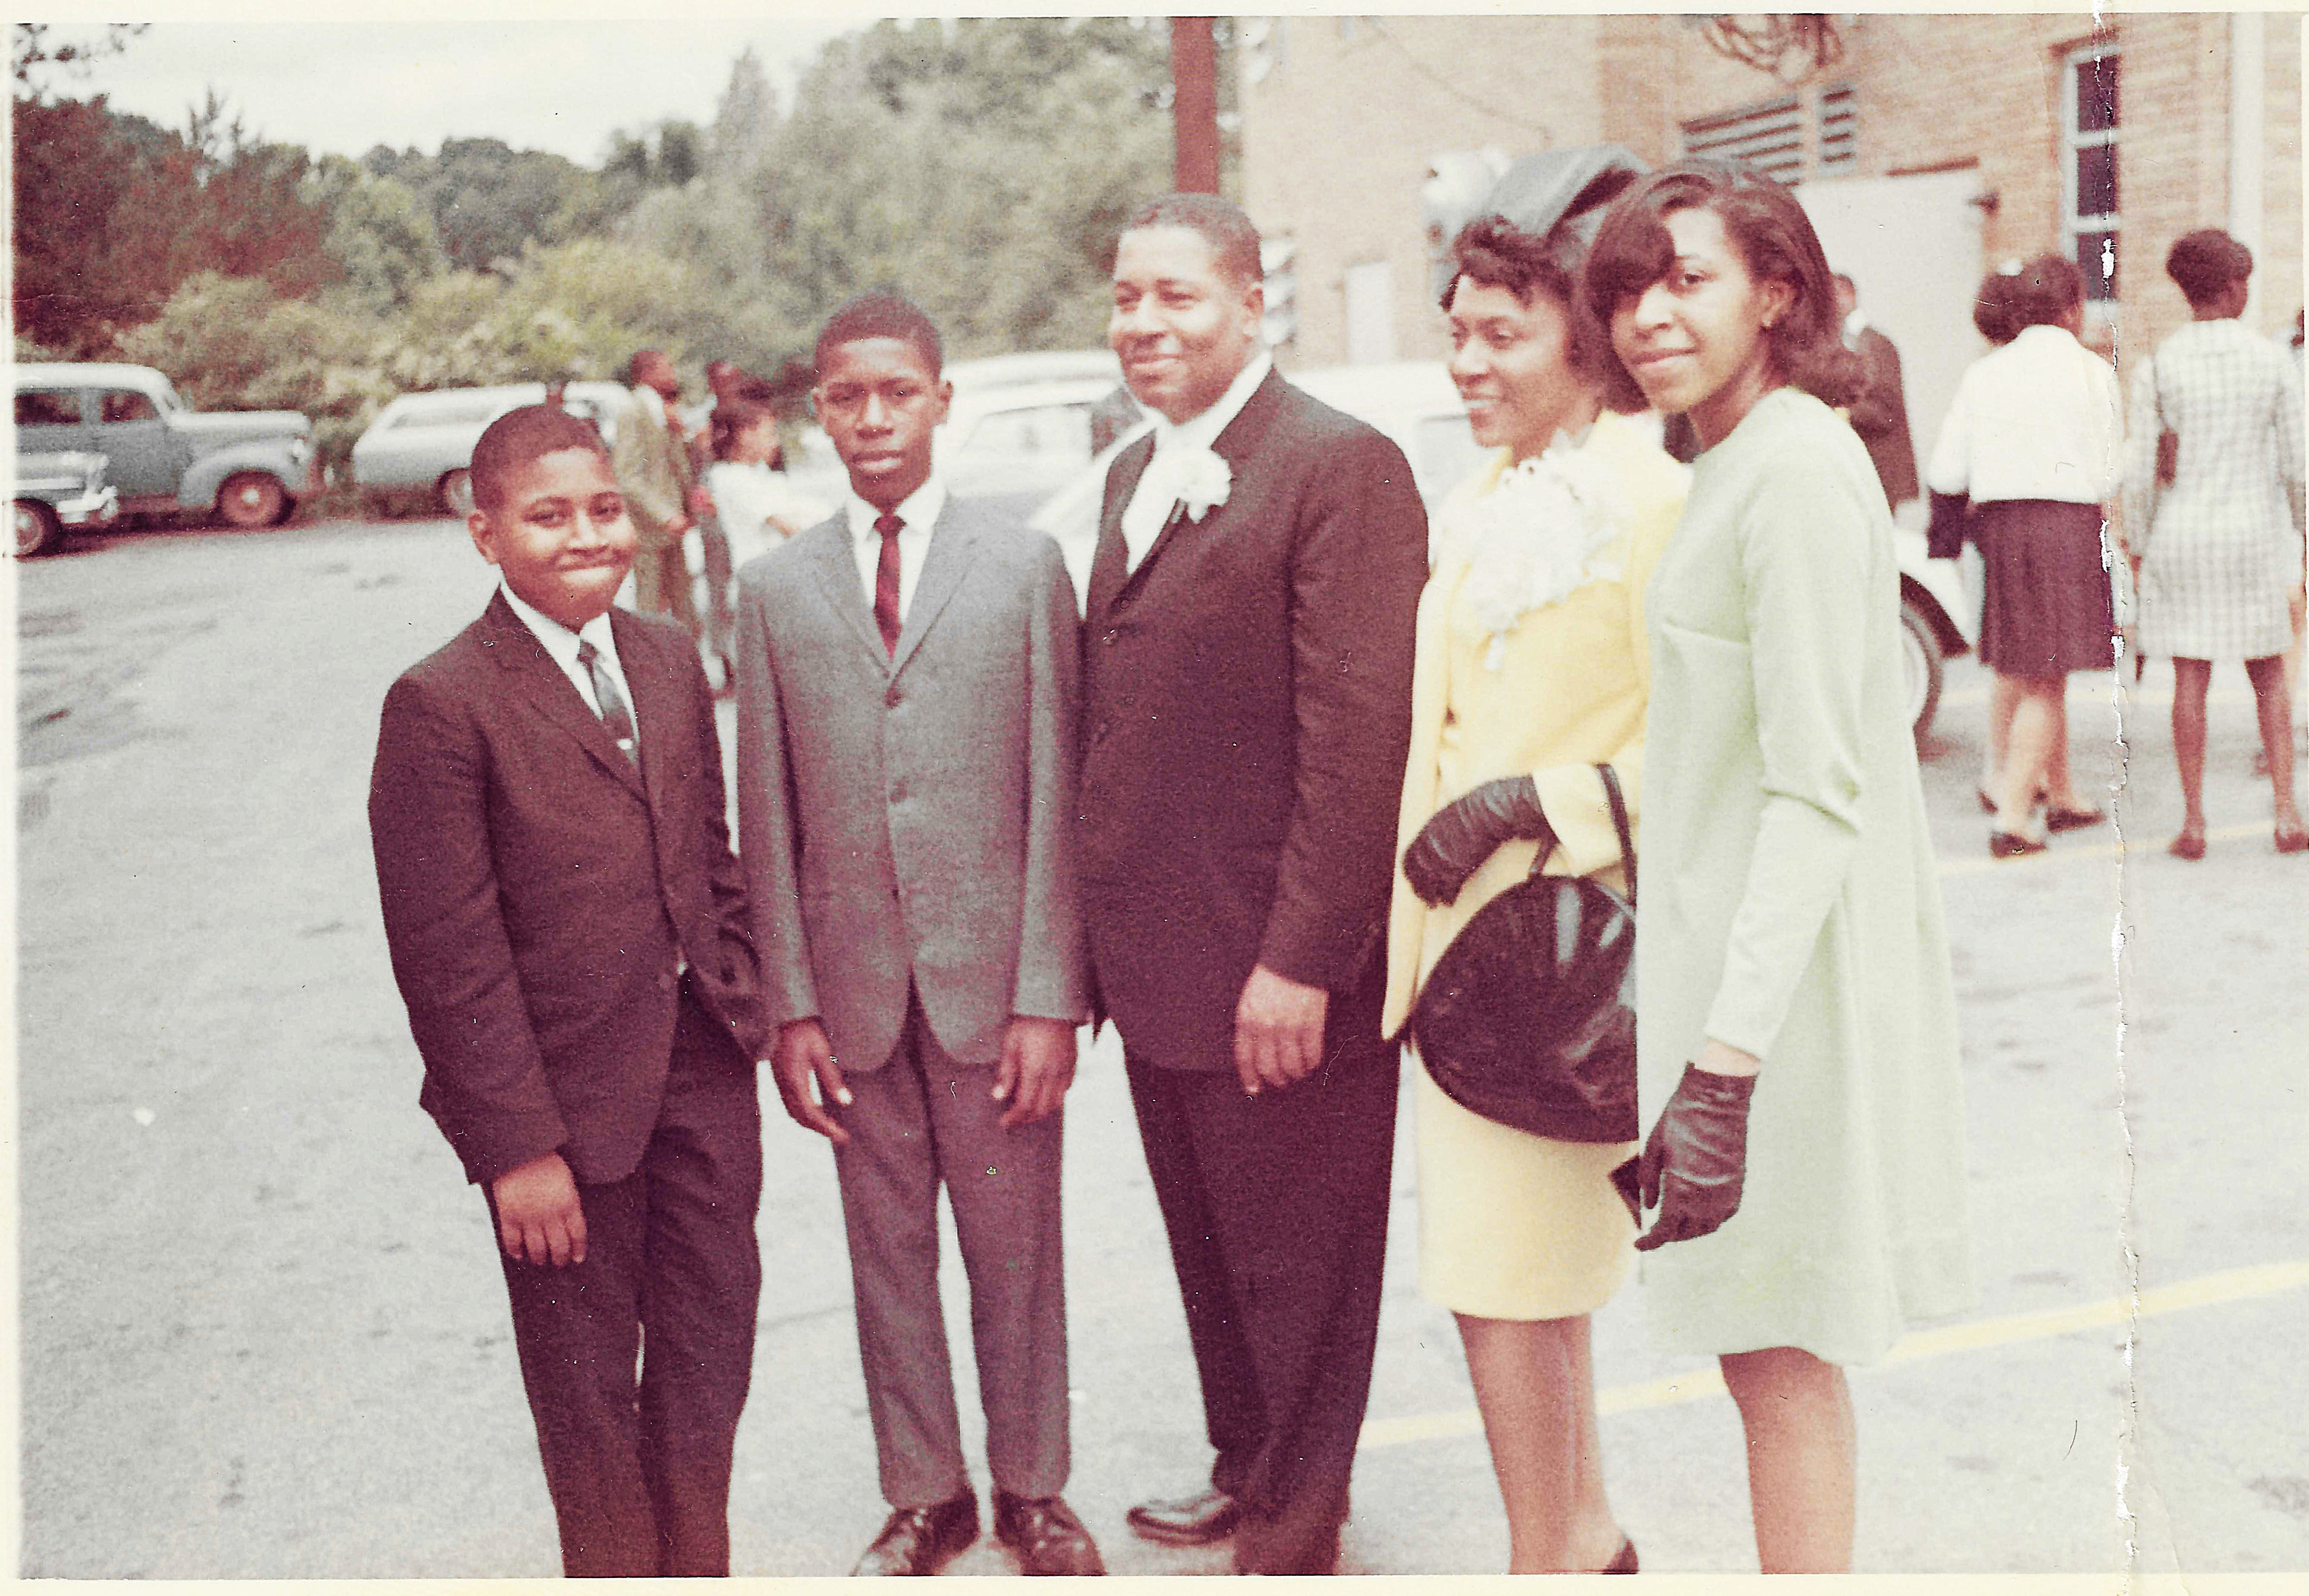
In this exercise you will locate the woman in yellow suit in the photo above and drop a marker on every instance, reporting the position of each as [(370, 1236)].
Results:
[(1530, 671)]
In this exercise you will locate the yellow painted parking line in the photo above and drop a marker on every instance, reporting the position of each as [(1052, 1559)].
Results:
[(2207, 1290), (2067, 853)]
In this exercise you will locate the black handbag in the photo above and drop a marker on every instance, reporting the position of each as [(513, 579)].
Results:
[(1529, 1017)]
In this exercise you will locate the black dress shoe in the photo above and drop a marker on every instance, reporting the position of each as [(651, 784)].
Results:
[(921, 1540), (1199, 1520), (1046, 1536)]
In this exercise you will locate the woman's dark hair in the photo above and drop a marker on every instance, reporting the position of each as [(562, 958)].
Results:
[(2205, 263), (730, 418), (1492, 250), (2043, 292), (1992, 307), (1634, 250)]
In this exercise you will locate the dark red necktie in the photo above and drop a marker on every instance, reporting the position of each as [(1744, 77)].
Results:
[(886, 582)]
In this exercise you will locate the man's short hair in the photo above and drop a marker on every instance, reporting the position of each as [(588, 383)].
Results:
[(520, 438), (1231, 234), (637, 361), (881, 315), (2203, 265)]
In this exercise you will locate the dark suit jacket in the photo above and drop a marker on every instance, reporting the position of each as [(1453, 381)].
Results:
[(1246, 714), (538, 892), (1880, 415)]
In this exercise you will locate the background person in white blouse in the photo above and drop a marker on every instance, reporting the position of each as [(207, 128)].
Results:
[(2219, 519), (2032, 440), (757, 506)]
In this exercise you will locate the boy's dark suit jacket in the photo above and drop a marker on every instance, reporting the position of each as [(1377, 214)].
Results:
[(1246, 715), (539, 894)]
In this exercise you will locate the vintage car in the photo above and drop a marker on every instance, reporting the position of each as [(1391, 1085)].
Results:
[(422, 444), (56, 492), (247, 467)]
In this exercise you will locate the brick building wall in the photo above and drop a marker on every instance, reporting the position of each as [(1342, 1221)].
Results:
[(1344, 116)]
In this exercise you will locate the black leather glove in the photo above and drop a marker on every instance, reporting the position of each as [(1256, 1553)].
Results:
[(1462, 834), (1697, 1158)]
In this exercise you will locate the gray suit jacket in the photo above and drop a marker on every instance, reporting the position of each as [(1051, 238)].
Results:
[(911, 816)]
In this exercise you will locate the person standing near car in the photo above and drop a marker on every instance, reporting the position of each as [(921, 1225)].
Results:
[(651, 457), (1247, 707), (1879, 411)]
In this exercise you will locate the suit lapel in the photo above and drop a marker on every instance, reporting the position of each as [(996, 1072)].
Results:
[(657, 702), (951, 549), (1238, 445), (837, 572), (555, 697), (1108, 565)]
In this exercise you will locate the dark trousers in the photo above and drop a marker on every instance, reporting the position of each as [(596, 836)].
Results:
[(638, 1465), (922, 1120), (1276, 1210)]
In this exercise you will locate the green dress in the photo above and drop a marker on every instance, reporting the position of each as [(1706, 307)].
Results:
[(1791, 904)]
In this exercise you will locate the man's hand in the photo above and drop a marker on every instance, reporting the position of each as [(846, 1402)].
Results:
[(701, 503), (1038, 1066), (804, 1055), (1278, 1030), (539, 1219)]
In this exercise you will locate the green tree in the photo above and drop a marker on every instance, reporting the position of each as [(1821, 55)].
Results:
[(746, 119), (384, 237)]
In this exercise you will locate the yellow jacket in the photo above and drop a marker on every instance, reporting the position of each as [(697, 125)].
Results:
[(1570, 692)]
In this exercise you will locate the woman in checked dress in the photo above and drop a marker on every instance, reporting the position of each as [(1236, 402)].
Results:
[(2221, 542)]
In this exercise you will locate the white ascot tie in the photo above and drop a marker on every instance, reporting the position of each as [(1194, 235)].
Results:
[(1183, 477)]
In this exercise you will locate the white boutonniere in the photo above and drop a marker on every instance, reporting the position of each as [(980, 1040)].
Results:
[(1540, 535), (1204, 480)]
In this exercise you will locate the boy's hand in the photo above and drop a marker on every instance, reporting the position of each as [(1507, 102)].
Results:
[(539, 1219), (803, 1054), (1038, 1066)]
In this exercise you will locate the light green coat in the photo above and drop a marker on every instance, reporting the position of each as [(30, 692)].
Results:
[(1791, 904)]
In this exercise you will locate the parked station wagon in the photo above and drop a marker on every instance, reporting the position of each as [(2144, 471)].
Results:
[(249, 468)]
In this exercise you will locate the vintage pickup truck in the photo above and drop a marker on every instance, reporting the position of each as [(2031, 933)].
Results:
[(247, 467)]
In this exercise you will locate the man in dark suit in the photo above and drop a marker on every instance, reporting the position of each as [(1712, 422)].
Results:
[(1247, 703), (1879, 413), (569, 933)]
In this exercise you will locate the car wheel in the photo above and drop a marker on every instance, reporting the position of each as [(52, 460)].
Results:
[(37, 530), (1920, 667), (249, 500), (454, 493)]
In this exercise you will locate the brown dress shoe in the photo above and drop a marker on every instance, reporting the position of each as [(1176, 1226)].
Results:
[(921, 1540), (1045, 1533), (1203, 1519)]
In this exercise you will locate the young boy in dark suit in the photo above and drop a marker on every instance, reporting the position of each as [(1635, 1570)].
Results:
[(568, 930)]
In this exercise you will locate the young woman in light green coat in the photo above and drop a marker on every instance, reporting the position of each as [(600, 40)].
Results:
[(1796, 1020)]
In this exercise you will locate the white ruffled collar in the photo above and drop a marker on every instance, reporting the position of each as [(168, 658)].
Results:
[(1541, 533)]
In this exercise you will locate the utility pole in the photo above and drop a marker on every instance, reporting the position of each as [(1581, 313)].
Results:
[(1195, 105)]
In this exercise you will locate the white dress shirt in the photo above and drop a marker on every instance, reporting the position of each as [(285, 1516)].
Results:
[(919, 511), (561, 642), (2040, 418), (1150, 507), (745, 495)]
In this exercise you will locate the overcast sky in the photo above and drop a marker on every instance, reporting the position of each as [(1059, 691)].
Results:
[(557, 85)]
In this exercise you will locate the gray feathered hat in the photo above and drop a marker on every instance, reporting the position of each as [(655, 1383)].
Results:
[(1539, 193)]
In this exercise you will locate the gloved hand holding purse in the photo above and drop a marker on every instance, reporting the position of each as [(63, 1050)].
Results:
[(1696, 1161), (1461, 835)]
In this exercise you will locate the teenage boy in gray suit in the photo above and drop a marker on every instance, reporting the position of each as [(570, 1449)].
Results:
[(906, 700)]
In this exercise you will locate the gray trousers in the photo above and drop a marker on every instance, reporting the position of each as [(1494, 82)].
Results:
[(920, 1120)]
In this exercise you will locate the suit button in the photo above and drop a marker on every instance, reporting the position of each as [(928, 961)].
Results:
[(1098, 732), (1109, 637), (665, 981), (891, 699)]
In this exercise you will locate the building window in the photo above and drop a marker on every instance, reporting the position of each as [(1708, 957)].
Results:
[(1839, 130), (1371, 312), (1768, 137), (2088, 173)]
